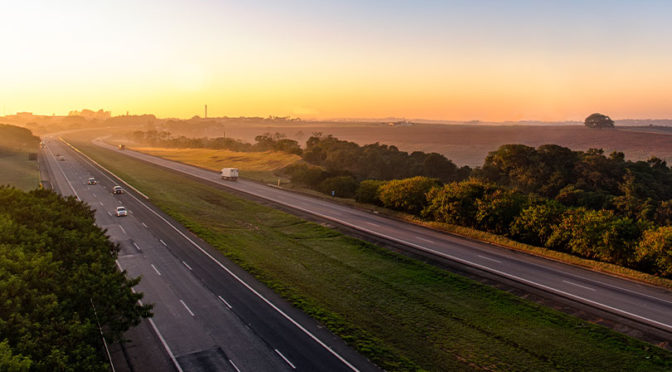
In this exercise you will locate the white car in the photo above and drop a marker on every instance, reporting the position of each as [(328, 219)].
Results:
[(117, 190), (122, 212)]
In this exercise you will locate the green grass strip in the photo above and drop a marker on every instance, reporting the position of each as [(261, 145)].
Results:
[(401, 313)]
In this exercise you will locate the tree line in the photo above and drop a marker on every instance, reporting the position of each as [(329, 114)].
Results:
[(584, 203), (59, 285), (263, 142)]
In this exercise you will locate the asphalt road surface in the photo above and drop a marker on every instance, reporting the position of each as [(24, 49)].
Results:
[(209, 315), (641, 303)]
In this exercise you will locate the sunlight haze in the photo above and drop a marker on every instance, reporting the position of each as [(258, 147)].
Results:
[(449, 60)]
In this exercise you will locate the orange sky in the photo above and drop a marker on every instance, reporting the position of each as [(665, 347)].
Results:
[(453, 60)]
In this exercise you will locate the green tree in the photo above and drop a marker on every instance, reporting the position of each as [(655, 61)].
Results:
[(654, 252), (497, 210), (341, 186), (456, 202), (368, 192), (408, 195), (535, 223), (597, 120), (600, 235), (55, 264)]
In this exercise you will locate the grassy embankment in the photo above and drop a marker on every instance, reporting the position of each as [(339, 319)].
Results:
[(15, 168), (401, 313), (258, 166)]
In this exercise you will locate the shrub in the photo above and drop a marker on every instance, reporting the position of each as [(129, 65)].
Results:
[(368, 192), (654, 253), (342, 186), (408, 195)]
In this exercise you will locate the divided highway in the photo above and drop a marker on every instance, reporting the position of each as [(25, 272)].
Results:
[(209, 314), (639, 302)]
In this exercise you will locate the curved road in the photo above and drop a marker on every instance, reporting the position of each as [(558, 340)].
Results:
[(639, 302)]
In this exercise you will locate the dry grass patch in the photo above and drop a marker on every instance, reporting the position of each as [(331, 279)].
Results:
[(217, 159)]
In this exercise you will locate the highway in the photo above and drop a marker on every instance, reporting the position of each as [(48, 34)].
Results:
[(638, 302), (209, 315)]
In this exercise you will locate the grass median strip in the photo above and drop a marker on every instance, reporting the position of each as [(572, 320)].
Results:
[(401, 313)]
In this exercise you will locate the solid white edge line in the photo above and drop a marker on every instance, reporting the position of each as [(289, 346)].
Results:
[(155, 269), (481, 267), (164, 343), (225, 303), (187, 265), (241, 281), (64, 176), (429, 250), (103, 168), (234, 365), (187, 307), (151, 322), (285, 359)]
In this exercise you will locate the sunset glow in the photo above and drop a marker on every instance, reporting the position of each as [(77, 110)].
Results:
[(450, 60)]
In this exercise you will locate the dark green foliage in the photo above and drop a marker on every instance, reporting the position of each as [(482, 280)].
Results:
[(341, 186), (595, 234), (597, 120), (376, 161), (408, 195), (264, 142), (535, 223), (497, 210), (306, 175), (368, 192), (456, 202), (54, 264), (654, 253), (577, 178)]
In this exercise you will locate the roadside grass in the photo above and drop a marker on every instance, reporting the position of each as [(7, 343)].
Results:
[(401, 313), (258, 166), (16, 170)]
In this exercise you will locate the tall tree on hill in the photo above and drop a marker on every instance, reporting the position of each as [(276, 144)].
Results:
[(597, 120)]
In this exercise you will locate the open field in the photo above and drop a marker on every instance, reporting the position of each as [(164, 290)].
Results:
[(18, 171), (254, 165), (400, 312), (470, 144)]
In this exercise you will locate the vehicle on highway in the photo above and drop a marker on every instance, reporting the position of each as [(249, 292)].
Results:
[(61, 158), (122, 212), (92, 181), (117, 190), (230, 174)]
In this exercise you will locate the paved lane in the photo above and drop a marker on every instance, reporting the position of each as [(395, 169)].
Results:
[(636, 301), (209, 314)]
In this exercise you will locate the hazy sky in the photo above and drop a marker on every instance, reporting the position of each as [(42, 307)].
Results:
[(454, 60)]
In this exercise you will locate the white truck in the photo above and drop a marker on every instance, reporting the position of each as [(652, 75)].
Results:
[(230, 174)]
